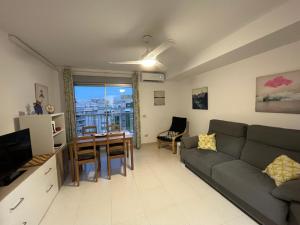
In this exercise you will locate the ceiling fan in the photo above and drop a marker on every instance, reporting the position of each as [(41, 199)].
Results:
[(149, 58)]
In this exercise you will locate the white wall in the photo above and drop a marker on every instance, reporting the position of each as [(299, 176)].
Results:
[(18, 73), (155, 119), (232, 91)]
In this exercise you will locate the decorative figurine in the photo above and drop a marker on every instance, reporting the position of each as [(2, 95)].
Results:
[(28, 109), (50, 109), (38, 107)]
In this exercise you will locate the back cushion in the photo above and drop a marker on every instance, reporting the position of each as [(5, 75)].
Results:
[(230, 136), (264, 144)]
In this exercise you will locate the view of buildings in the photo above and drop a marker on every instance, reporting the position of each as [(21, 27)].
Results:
[(115, 108)]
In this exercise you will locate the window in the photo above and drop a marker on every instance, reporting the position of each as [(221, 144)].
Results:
[(104, 106)]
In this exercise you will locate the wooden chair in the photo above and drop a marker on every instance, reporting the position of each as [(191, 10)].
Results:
[(179, 127), (85, 152), (89, 130), (115, 148), (113, 127)]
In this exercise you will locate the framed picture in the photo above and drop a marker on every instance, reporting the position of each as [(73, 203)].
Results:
[(278, 93), (200, 98), (159, 98), (41, 94)]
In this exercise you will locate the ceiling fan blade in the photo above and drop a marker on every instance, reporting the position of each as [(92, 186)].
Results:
[(159, 49), (161, 66), (128, 62)]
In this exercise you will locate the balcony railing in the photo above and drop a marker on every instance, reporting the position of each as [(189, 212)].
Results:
[(102, 120)]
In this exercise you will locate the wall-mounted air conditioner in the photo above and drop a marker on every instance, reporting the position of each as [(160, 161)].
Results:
[(153, 77)]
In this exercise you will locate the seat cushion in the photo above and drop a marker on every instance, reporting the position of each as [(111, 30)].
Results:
[(116, 152), (249, 184), (85, 157), (204, 160)]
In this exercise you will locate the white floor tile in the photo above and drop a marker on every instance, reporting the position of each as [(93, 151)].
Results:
[(160, 191)]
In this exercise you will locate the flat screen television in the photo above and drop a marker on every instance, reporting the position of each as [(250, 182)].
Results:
[(15, 151)]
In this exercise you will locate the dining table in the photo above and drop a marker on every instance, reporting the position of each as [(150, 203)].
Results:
[(100, 140)]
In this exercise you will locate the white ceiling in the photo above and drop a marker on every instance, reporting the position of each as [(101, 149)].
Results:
[(90, 33)]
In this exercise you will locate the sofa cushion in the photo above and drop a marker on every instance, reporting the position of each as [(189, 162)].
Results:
[(230, 136), (207, 142), (294, 214), (264, 144), (189, 142), (203, 160), (283, 169), (249, 184), (289, 191)]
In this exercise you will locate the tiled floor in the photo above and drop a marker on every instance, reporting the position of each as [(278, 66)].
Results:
[(160, 191)]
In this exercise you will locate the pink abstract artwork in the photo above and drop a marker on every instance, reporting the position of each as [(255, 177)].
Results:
[(278, 93), (278, 81)]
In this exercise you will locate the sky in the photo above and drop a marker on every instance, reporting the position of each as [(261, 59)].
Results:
[(89, 92)]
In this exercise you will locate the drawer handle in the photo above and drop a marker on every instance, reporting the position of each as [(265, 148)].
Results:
[(16, 206), (48, 171), (50, 188), (24, 223)]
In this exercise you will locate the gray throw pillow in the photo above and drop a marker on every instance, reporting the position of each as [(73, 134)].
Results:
[(190, 142), (289, 191)]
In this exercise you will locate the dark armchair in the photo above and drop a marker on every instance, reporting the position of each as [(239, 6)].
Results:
[(173, 135)]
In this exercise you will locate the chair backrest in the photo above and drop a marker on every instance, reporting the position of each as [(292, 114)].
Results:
[(178, 124), (115, 141), (230, 136), (85, 145), (89, 130), (265, 143), (113, 127)]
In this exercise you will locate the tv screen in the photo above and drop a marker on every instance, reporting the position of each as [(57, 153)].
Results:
[(15, 151)]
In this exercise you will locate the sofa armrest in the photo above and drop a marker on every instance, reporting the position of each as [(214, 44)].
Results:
[(189, 142), (294, 214)]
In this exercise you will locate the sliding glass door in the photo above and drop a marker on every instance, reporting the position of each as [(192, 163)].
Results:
[(108, 107)]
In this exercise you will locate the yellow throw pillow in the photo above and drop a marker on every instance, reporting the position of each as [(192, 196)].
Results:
[(207, 142), (283, 169)]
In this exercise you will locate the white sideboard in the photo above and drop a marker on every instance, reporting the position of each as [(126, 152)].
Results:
[(26, 200)]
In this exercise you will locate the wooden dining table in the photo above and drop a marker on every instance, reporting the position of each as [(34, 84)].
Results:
[(100, 140)]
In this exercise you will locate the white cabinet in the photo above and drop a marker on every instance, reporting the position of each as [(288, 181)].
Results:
[(29, 201), (42, 136)]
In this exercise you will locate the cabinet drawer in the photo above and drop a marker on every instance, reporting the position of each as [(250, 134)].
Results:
[(48, 167), (19, 204), (51, 188), (30, 200)]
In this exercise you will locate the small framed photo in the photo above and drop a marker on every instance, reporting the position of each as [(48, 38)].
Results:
[(41, 94)]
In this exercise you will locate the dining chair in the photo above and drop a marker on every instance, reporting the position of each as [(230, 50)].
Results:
[(89, 130), (113, 127), (85, 152), (116, 149)]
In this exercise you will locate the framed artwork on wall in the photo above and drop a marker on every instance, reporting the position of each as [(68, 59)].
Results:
[(159, 98), (278, 93), (41, 95), (200, 98)]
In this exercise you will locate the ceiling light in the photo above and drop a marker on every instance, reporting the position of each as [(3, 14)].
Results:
[(148, 62)]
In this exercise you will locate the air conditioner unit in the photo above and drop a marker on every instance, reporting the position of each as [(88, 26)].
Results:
[(153, 77)]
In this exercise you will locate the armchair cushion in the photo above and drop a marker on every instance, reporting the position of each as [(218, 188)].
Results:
[(167, 136), (178, 124), (289, 191)]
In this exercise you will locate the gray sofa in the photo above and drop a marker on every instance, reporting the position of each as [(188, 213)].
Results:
[(235, 170)]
